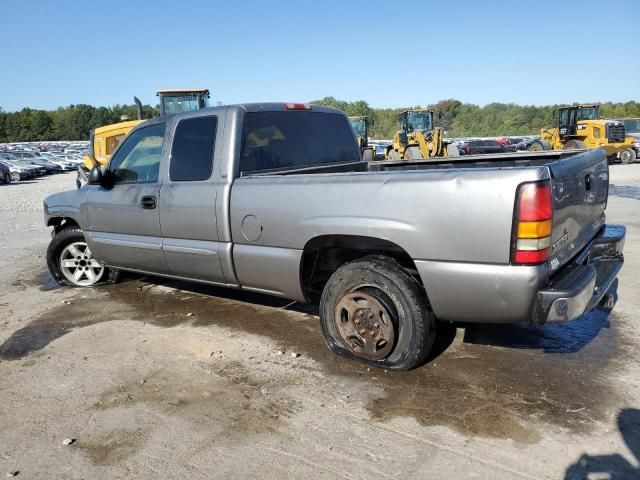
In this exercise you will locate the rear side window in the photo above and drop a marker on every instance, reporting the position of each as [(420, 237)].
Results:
[(273, 140), (192, 152)]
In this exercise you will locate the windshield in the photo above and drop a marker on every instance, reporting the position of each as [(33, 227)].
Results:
[(358, 126), (632, 125), (183, 103), (419, 121), (589, 113)]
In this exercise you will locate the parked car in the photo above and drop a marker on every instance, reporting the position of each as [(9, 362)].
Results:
[(20, 171), (474, 147), (5, 174), (521, 144), (38, 161), (71, 158), (274, 198)]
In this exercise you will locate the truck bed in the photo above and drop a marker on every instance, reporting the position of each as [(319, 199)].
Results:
[(517, 159)]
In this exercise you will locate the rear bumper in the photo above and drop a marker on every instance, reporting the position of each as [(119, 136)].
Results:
[(581, 285)]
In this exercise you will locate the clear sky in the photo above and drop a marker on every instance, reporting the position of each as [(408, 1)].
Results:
[(391, 54)]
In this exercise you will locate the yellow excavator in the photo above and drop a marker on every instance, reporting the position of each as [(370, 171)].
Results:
[(417, 138), (360, 125), (104, 140), (580, 126)]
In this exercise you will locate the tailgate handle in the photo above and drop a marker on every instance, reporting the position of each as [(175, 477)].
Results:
[(587, 182)]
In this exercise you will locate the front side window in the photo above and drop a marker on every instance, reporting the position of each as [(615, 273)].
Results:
[(273, 140), (138, 159), (113, 142), (192, 151), (358, 126)]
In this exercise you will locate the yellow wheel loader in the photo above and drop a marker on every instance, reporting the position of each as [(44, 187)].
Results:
[(417, 138), (361, 126), (104, 140), (580, 126)]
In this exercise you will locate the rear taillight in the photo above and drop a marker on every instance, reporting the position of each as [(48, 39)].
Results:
[(533, 224), (467, 150)]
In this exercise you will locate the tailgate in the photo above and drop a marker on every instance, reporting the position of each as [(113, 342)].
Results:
[(580, 185)]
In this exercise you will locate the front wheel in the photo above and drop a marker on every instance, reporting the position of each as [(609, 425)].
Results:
[(574, 145), (368, 155), (15, 177), (627, 156), (71, 262), (539, 146), (372, 310)]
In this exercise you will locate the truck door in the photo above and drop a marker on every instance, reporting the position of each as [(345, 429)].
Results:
[(188, 202), (124, 221)]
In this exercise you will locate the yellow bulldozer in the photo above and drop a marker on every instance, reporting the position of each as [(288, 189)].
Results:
[(360, 125), (580, 126), (418, 138), (104, 140)]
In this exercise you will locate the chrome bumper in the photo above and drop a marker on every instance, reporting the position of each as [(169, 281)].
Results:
[(586, 282)]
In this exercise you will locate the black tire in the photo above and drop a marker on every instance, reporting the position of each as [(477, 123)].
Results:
[(392, 154), (574, 145), (368, 155), (387, 282), (57, 245), (6, 178), (413, 153), (452, 150), (627, 156), (15, 176), (539, 146)]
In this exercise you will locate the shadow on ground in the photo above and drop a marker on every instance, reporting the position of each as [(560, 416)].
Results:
[(569, 337), (613, 466), (495, 381)]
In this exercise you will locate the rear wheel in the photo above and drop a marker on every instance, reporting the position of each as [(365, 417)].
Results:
[(372, 310), (627, 156), (6, 178), (71, 262), (539, 146), (413, 153), (368, 155), (574, 145)]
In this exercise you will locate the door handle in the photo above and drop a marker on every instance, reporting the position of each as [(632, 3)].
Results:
[(587, 182), (148, 202)]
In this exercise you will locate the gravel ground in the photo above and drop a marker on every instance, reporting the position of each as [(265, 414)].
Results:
[(27, 196), (157, 379)]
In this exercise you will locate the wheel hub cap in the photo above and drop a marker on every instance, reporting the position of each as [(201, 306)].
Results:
[(78, 265), (364, 325)]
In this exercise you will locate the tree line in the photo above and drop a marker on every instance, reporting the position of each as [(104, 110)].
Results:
[(74, 122), (458, 119), (468, 120)]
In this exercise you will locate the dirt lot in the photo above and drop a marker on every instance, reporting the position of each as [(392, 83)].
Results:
[(159, 379)]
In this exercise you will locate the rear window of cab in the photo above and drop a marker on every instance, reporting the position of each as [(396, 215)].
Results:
[(281, 140)]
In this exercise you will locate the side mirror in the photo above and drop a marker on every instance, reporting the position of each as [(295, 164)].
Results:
[(95, 176)]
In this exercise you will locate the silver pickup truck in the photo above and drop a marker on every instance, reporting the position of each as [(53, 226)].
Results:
[(275, 198)]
